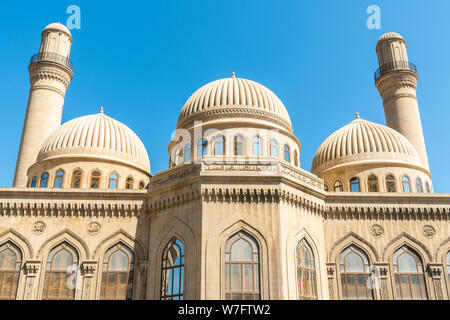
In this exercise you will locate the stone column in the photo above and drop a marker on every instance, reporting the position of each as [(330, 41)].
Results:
[(435, 271), (31, 270), (332, 284), (141, 281), (88, 270), (382, 283)]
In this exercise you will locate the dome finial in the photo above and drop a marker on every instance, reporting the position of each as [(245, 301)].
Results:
[(357, 115), (101, 109), (233, 75)]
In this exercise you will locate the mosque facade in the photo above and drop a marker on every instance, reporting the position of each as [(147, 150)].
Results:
[(234, 217)]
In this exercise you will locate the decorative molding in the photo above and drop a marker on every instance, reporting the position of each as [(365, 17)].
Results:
[(174, 174), (428, 231), (31, 267), (94, 228), (435, 270), (411, 239), (349, 235), (39, 227), (88, 268), (377, 231)]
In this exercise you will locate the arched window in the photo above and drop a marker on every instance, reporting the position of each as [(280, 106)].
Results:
[(355, 275), (419, 185), (44, 180), (296, 158), (287, 153), (34, 182), (338, 186), (141, 185), (219, 146), (372, 184), (95, 180), (60, 273), (447, 262), (201, 149), (257, 146), (239, 145), (242, 268), (306, 272), (273, 148), (427, 186), (113, 181), (117, 275), (406, 185), (172, 277), (390, 183), (409, 275), (178, 157), (10, 264), (59, 177), (187, 153), (354, 185), (129, 183), (325, 187), (76, 179)]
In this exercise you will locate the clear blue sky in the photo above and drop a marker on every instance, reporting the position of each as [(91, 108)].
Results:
[(142, 60)]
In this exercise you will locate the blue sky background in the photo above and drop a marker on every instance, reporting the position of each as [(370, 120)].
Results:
[(142, 60)]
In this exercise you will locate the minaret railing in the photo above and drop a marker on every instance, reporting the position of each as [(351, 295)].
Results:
[(395, 66), (52, 57)]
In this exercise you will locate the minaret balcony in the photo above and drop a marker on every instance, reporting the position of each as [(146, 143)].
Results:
[(395, 66), (52, 57)]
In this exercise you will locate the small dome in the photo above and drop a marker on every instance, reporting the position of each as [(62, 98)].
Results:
[(234, 97), (59, 27), (389, 36), (96, 136), (364, 141)]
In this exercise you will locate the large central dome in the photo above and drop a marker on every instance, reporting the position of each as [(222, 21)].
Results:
[(231, 98)]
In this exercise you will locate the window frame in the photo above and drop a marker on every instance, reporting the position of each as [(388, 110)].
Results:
[(16, 272), (419, 185), (110, 179), (74, 174), (388, 180), (167, 269), (57, 176), (408, 181), (95, 174), (273, 145), (129, 182), (46, 179), (287, 151), (375, 182), (357, 183), (257, 146), (238, 140), (311, 269), (340, 186)]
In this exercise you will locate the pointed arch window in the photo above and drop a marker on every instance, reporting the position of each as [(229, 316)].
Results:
[(10, 264), (59, 178), (257, 146), (372, 184), (390, 183), (34, 182), (129, 183), (355, 274), (44, 180), (76, 179), (273, 148), (238, 145), (95, 180), (296, 158), (409, 275), (60, 273), (287, 153), (242, 268), (172, 277), (201, 149), (405, 184), (419, 186), (219, 146), (187, 153), (117, 275), (113, 181), (306, 272), (338, 186), (427, 186)]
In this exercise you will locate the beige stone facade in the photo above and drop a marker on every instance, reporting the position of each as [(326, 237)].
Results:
[(88, 197)]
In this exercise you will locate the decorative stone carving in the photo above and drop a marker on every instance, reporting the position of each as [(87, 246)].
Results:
[(377, 231), (94, 228), (429, 232), (39, 227), (88, 268), (31, 268)]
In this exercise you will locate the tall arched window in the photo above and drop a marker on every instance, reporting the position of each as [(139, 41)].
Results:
[(447, 262), (419, 186), (354, 185), (257, 146), (372, 184), (306, 272), (59, 178), (95, 180), (60, 273), (405, 184), (187, 153), (338, 186), (117, 274), (409, 275), (172, 277), (129, 183), (44, 180), (355, 275), (201, 147), (287, 153), (34, 182), (296, 158), (242, 268), (273, 148), (390, 183), (113, 181), (76, 179), (219, 146), (141, 185), (427, 186), (10, 264), (239, 143)]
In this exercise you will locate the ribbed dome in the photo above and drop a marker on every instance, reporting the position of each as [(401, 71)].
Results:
[(96, 136), (234, 97), (58, 26), (364, 141)]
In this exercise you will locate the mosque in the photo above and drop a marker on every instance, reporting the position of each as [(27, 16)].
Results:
[(234, 216)]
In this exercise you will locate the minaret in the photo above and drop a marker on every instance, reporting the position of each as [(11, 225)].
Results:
[(396, 81), (50, 74)]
